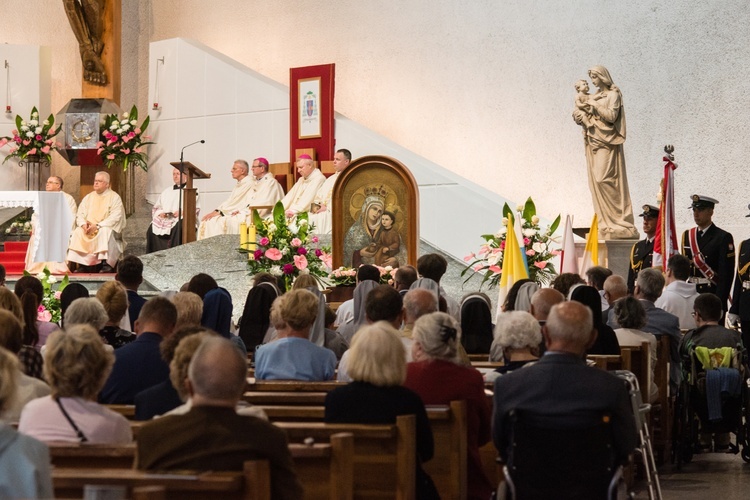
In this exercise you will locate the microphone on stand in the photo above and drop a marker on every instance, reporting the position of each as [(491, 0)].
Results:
[(182, 171)]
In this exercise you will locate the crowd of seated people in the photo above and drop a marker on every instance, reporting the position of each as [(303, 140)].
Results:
[(399, 347)]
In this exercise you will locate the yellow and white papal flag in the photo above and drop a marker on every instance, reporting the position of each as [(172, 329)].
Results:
[(591, 252), (513, 265)]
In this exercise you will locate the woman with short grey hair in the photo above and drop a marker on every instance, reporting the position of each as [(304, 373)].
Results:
[(517, 340)]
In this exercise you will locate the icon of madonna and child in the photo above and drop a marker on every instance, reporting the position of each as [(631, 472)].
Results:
[(375, 235)]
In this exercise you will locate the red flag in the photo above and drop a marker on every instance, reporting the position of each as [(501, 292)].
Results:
[(665, 241)]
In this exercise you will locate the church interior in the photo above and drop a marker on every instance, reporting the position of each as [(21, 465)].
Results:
[(475, 99)]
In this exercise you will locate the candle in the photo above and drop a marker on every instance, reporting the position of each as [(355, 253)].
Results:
[(251, 242), (243, 235)]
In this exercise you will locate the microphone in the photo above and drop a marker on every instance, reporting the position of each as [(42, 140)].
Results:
[(202, 141)]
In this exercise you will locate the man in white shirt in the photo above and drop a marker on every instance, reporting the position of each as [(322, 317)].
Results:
[(320, 214), (97, 237), (258, 189), (679, 295), (164, 231), (301, 196)]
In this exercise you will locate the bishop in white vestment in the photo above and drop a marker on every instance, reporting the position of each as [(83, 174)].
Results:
[(301, 196), (258, 189)]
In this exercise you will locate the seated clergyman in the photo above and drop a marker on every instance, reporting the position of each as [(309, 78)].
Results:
[(164, 231), (258, 189), (301, 196), (100, 220)]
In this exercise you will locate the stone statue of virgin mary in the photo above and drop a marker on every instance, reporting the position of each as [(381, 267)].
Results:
[(602, 116)]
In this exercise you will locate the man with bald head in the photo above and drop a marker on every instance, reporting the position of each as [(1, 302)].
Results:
[(212, 436), (255, 187), (302, 194), (562, 387), (542, 302), (100, 221)]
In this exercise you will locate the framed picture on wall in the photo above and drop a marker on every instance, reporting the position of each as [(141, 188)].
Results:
[(308, 93)]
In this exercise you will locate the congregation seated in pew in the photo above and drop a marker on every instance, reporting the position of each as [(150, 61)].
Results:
[(212, 436)]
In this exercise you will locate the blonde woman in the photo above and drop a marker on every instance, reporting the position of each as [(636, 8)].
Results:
[(76, 365), (377, 367)]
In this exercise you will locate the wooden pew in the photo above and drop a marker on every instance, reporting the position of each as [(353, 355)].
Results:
[(662, 409), (284, 398), (291, 385), (384, 455), (324, 469), (449, 463), (479, 357), (251, 484), (92, 456), (127, 411)]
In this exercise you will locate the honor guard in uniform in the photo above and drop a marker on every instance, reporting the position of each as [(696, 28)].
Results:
[(643, 251), (710, 250), (739, 313)]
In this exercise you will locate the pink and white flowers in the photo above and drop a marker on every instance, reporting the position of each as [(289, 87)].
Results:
[(285, 249), (32, 138), (488, 260), (122, 140)]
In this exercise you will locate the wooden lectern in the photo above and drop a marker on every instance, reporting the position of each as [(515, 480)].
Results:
[(189, 197)]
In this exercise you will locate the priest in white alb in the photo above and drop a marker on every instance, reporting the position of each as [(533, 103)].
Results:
[(320, 214), (301, 196), (258, 189), (97, 237), (164, 231)]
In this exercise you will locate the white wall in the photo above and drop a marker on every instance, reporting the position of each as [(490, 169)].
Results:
[(28, 77), (482, 88)]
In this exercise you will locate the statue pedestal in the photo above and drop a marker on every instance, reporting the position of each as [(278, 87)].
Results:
[(613, 254)]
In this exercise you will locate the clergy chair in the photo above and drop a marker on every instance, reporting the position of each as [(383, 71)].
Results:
[(283, 174)]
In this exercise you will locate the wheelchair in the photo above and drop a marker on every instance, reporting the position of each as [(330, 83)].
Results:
[(550, 460), (713, 398)]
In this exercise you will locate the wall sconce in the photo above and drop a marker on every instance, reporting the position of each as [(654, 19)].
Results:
[(156, 83), (8, 109)]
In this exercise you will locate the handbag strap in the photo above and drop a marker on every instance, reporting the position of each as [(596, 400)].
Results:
[(81, 436)]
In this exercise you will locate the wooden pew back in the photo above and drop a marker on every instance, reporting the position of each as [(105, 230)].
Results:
[(384, 455), (251, 484)]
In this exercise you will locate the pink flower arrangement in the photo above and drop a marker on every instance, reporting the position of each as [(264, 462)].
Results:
[(285, 249), (122, 140), (32, 137), (537, 243)]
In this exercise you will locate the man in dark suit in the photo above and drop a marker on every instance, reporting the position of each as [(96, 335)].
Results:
[(139, 364), (562, 386), (642, 253), (711, 251), (130, 274), (212, 436), (740, 310)]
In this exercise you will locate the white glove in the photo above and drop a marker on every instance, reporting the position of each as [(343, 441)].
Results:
[(733, 319)]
